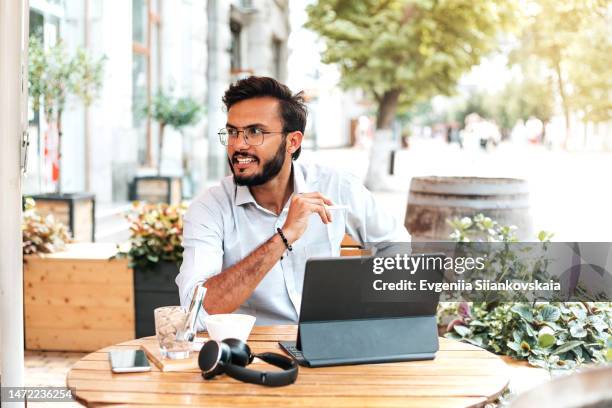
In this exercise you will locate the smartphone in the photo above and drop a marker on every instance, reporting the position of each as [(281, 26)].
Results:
[(128, 361)]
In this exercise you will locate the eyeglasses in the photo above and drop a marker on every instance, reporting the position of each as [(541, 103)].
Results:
[(253, 136)]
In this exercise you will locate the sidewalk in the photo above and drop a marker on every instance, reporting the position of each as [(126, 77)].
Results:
[(570, 192)]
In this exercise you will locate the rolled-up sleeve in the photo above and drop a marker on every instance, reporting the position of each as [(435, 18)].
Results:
[(366, 220), (203, 248)]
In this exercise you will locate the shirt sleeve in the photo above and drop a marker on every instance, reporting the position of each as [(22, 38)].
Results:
[(366, 220), (202, 249)]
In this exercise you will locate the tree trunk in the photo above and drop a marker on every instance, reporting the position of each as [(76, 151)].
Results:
[(564, 102), (58, 186), (161, 148), (387, 108), (378, 176)]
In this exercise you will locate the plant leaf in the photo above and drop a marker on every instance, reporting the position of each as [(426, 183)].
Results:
[(550, 313), (524, 311), (578, 331), (462, 330), (567, 346), (546, 337)]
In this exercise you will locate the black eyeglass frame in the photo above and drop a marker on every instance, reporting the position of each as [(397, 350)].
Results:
[(244, 135)]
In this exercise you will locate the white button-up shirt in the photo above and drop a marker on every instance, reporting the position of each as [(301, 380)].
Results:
[(225, 224)]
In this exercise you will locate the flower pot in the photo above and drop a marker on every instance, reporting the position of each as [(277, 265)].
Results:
[(153, 287), (80, 299), (76, 210), (156, 189)]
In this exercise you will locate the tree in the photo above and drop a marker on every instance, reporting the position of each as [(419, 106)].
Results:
[(406, 51), (589, 71), (176, 113), (572, 38), (53, 75)]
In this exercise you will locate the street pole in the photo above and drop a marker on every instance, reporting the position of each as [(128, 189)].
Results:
[(13, 121)]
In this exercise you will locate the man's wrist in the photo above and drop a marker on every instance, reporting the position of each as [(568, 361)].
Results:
[(289, 235)]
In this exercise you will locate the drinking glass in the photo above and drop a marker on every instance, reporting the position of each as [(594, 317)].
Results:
[(168, 321)]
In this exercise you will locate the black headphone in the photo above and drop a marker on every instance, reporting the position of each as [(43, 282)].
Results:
[(231, 356)]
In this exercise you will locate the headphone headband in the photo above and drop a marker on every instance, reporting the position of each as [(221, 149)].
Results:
[(269, 378), (231, 356)]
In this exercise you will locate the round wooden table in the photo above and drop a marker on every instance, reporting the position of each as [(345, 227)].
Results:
[(461, 375)]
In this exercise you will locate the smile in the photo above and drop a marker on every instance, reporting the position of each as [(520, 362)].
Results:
[(241, 159)]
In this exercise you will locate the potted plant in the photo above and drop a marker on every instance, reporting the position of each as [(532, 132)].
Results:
[(552, 335), (41, 234), (155, 254), (177, 113), (53, 77), (63, 309)]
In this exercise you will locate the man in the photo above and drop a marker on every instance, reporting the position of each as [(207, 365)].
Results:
[(248, 239)]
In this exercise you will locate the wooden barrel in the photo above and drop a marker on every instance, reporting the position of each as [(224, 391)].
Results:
[(433, 200)]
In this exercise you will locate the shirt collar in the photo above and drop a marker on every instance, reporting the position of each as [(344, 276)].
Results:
[(244, 196)]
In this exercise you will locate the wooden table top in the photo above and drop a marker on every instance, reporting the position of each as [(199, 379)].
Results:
[(461, 375)]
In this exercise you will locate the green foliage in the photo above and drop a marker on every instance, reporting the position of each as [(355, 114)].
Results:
[(419, 48), (176, 113), (483, 229), (87, 76), (549, 335), (573, 40), (41, 234), (532, 96), (53, 75), (156, 234), (552, 335)]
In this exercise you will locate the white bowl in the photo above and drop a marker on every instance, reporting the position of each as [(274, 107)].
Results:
[(229, 326)]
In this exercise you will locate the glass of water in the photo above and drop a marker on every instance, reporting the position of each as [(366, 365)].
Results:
[(168, 321)]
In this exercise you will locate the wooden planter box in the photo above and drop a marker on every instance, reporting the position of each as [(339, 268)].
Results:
[(75, 210), (154, 288), (78, 300), (156, 189)]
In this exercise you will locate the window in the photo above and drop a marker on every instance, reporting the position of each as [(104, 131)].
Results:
[(277, 51), (145, 71), (235, 49)]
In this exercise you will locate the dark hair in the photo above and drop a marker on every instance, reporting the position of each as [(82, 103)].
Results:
[(293, 110)]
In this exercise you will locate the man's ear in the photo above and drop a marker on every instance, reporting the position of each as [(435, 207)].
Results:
[(294, 141)]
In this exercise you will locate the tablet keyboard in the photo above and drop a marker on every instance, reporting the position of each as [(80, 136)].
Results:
[(296, 353)]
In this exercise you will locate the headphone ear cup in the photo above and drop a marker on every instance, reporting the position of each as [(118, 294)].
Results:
[(212, 357), (240, 352)]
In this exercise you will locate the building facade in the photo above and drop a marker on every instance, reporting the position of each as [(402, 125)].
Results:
[(185, 48)]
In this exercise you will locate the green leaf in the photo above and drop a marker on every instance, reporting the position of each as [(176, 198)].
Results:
[(514, 346), (578, 331), (550, 313), (546, 337), (579, 312), (453, 336), (537, 362), (462, 330), (523, 311), (567, 346)]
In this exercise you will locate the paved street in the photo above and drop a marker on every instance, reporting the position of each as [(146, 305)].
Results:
[(571, 193)]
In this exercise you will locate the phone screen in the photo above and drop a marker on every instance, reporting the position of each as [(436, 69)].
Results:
[(128, 361)]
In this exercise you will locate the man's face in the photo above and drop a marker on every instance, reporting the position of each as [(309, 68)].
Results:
[(256, 165)]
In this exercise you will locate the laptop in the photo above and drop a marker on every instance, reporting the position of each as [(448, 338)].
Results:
[(345, 320)]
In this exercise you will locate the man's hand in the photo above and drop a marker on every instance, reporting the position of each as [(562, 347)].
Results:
[(300, 209)]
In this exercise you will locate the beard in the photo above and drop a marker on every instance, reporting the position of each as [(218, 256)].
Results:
[(270, 169)]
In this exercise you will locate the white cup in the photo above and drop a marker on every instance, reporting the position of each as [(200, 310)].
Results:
[(229, 326)]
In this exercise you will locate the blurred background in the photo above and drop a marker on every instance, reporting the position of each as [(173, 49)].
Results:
[(395, 90)]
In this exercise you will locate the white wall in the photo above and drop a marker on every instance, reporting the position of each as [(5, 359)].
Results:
[(113, 141), (183, 71)]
